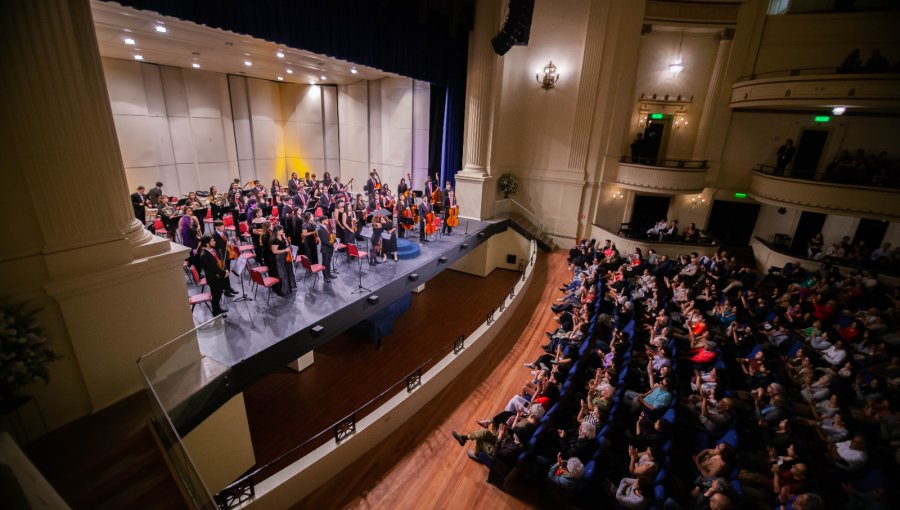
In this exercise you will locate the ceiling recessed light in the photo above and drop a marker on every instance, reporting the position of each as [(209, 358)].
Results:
[(139, 57), (281, 78), (229, 43), (279, 54), (353, 70), (129, 41), (195, 65), (290, 71), (161, 29), (312, 82), (322, 77), (248, 63)]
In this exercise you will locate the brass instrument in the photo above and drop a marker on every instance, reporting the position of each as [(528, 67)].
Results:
[(168, 211), (219, 200)]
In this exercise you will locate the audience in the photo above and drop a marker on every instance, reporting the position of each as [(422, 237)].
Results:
[(695, 384)]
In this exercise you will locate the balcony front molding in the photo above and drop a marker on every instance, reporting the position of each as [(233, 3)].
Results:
[(826, 197), (860, 90), (663, 180)]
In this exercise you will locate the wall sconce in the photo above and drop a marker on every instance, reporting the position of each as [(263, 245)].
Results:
[(680, 120), (698, 200), (617, 195), (548, 77)]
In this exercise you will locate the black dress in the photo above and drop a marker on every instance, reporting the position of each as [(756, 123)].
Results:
[(375, 241), (389, 246), (309, 244), (282, 269)]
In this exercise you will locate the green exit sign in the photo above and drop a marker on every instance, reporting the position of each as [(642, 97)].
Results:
[(822, 118), (740, 195), (656, 116)]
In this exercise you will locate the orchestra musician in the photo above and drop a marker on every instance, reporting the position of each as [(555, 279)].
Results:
[(345, 224), (284, 270), (213, 267), (424, 209), (327, 247), (220, 245), (389, 246), (256, 229), (293, 184), (276, 188), (375, 240), (165, 212), (154, 194), (139, 204), (449, 202), (326, 179), (308, 233), (189, 228), (373, 183), (217, 203), (402, 188), (235, 200), (293, 227)]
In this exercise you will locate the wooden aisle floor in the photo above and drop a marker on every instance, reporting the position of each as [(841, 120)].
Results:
[(285, 408), (421, 466)]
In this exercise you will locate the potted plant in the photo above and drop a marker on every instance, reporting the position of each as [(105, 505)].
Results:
[(508, 184), (24, 354)]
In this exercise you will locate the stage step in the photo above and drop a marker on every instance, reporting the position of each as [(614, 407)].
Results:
[(407, 249), (528, 229)]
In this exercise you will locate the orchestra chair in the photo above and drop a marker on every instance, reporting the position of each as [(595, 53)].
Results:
[(207, 220), (187, 272), (228, 221), (354, 253), (245, 232), (195, 277), (257, 278), (338, 247), (160, 229), (311, 269), (202, 297)]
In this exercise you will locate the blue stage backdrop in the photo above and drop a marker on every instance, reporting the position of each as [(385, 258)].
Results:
[(423, 39)]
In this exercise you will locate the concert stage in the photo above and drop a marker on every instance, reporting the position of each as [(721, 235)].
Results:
[(257, 339)]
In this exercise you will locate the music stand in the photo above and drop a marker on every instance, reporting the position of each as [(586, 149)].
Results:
[(241, 261), (360, 289)]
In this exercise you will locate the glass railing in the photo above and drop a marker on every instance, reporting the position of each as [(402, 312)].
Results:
[(244, 488), (171, 374)]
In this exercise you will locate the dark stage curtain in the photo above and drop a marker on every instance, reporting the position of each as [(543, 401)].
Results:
[(423, 39)]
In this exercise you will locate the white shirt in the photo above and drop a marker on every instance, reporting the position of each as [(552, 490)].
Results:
[(855, 459)]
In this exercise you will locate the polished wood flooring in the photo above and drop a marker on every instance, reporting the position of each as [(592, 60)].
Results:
[(286, 409), (421, 465)]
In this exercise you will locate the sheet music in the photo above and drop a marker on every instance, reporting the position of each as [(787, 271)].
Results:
[(238, 265), (386, 236), (366, 232)]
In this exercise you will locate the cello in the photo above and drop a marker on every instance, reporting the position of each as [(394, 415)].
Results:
[(429, 224), (453, 216)]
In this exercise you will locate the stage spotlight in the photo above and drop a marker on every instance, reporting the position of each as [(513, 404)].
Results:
[(442, 260), (373, 299), (481, 234), (317, 330), (413, 277), (463, 246)]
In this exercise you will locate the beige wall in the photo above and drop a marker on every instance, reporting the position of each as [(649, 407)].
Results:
[(824, 40), (191, 128), (384, 125)]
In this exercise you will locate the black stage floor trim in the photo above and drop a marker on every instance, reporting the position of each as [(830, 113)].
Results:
[(258, 339)]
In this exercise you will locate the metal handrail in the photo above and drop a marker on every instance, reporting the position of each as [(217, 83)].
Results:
[(674, 164), (799, 72), (452, 347)]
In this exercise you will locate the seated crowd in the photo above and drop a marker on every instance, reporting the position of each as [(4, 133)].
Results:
[(883, 258), (864, 169), (687, 383)]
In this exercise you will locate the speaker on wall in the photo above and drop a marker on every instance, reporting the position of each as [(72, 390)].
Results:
[(517, 27), (510, 259)]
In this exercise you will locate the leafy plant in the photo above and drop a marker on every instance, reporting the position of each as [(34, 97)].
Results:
[(508, 184), (24, 351)]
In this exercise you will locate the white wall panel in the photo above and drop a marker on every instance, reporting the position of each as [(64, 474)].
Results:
[(209, 143), (182, 143), (127, 97), (202, 89), (174, 91), (153, 91)]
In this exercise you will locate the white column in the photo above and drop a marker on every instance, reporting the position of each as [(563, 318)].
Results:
[(712, 93), (474, 185), (110, 291)]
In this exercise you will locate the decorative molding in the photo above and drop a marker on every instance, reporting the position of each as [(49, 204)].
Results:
[(704, 13), (660, 180), (833, 198), (587, 86)]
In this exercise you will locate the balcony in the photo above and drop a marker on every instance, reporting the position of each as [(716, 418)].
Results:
[(820, 87), (664, 176), (808, 191)]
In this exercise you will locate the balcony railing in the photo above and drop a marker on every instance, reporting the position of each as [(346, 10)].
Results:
[(833, 176), (674, 164)]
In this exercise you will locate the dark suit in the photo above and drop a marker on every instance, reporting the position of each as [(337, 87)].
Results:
[(216, 278), (293, 186), (219, 243), (326, 247), (153, 196), (137, 203), (423, 210), (446, 214)]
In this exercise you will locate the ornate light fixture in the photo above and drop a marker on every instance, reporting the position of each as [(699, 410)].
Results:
[(549, 77)]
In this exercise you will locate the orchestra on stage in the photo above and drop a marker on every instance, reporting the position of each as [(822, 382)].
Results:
[(299, 225)]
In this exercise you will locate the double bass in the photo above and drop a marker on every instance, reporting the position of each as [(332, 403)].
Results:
[(429, 224)]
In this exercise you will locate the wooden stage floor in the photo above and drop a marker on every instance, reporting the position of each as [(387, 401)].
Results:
[(421, 466)]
